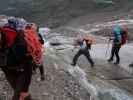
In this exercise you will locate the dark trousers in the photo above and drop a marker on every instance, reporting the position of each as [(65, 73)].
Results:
[(19, 79), (115, 51), (84, 52), (41, 70)]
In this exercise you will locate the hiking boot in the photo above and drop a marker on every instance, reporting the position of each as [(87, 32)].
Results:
[(116, 63), (110, 60), (73, 64), (131, 65), (92, 65)]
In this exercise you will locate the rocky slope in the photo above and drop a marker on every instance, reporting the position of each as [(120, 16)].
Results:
[(59, 12)]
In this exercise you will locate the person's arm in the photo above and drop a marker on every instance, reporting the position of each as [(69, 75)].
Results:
[(41, 39)]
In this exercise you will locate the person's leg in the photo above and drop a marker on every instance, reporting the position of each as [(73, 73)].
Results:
[(23, 82), (41, 69), (117, 55), (112, 54), (87, 55), (76, 57), (34, 66), (12, 77)]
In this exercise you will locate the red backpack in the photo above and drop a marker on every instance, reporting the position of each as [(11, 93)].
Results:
[(34, 47), (10, 35), (124, 35), (22, 44), (13, 50)]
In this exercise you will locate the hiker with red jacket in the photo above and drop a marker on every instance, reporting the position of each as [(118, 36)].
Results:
[(85, 44), (18, 65), (119, 38)]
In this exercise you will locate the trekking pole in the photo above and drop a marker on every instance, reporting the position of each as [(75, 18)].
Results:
[(107, 47)]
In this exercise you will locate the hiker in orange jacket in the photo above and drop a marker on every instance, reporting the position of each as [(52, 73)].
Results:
[(85, 43)]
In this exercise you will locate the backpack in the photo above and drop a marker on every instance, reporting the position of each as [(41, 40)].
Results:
[(34, 47), (89, 41), (20, 46), (124, 35), (13, 49)]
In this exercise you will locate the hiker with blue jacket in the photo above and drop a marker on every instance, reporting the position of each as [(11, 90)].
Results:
[(120, 34), (116, 44)]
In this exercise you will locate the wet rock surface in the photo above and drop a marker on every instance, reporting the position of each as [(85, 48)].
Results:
[(106, 76), (59, 85)]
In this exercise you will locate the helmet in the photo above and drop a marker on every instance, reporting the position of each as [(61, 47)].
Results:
[(12, 22)]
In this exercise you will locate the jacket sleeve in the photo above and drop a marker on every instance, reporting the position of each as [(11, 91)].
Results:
[(41, 39)]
